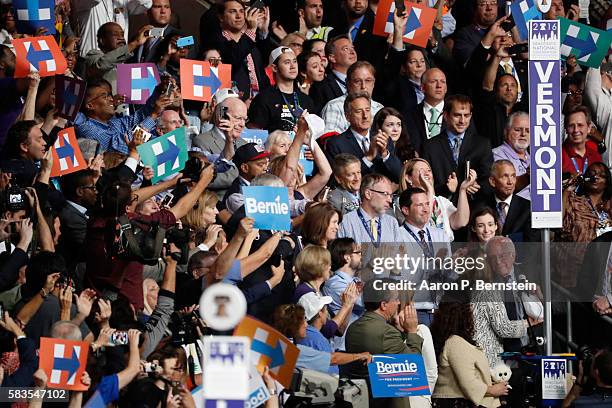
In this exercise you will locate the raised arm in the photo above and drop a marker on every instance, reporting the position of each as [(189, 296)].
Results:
[(319, 180), (187, 202)]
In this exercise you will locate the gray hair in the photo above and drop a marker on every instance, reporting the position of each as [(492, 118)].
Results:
[(353, 97), (267, 179), (513, 116), (273, 138), (66, 330), (369, 180), (497, 164)]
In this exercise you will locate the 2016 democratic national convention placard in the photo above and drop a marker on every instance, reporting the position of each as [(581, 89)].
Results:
[(268, 206), (64, 361), (398, 375)]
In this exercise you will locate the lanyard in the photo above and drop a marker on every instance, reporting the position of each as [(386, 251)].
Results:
[(367, 228), (296, 111), (418, 241), (602, 216), (584, 167)]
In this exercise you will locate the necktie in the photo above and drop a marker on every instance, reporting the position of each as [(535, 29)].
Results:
[(423, 244), (365, 144), (456, 148), (433, 128), (501, 211), (373, 229), (354, 31)]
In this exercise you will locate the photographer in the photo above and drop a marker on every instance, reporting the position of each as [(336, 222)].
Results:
[(113, 276), (592, 389)]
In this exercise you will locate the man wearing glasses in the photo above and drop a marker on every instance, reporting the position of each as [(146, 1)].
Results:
[(467, 38), (97, 118)]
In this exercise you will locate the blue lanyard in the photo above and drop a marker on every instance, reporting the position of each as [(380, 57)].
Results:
[(584, 167), (367, 228), (296, 111), (418, 241)]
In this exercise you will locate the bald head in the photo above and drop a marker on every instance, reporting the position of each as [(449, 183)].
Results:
[(168, 121), (501, 255), (237, 112), (433, 82), (66, 330)]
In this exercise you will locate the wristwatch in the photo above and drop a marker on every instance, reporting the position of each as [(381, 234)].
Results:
[(272, 391)]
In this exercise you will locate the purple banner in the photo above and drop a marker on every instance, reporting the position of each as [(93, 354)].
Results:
[(545, 124), (137, 81)]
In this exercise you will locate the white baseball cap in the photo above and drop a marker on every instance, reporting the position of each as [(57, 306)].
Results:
[(277, 53), (313, 303), (223, 94)]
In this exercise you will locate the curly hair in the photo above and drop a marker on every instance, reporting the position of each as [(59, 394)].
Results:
[(453, 318)]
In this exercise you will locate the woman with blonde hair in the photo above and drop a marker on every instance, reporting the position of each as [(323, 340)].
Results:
[(313, 268), (417, 173), (202, 217)]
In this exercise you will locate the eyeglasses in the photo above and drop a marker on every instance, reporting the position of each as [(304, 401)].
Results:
[(103, 95), (487, 3), (356, 252), (382, 192), (572, 93), (214, 61), (92, 188), (368, 81)]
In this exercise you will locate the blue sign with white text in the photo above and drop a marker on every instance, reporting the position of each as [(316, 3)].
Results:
[(258, 136), (398, 375), (268, 206)]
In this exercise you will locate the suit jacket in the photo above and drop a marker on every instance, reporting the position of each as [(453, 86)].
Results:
[(416, 123), (369, 47), (373, 334), (324, 91), (212, 142), (342, 200), (346, 143), (150, 54), (518, 221), (74, 230), (474, 148)]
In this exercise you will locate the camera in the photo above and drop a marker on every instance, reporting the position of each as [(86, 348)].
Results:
[(119, 338), (193, 168), (180, 238), (184, 328)]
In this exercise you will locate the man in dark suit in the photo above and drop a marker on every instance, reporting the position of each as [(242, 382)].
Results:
[(513, 211), (450, 151), (374, 333), (159, 15), (426, 119), (359, 26), (376, 152), (341, 55), (239, 45), (79, 189)]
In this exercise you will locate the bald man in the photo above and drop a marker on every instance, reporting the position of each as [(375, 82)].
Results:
[(427, 116)]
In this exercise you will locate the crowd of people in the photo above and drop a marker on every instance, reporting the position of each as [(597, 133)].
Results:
[(424, 153)]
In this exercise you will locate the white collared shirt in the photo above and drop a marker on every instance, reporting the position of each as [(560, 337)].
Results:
[(342, 77)]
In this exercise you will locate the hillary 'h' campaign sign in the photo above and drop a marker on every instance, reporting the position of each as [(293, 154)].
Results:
[(166, 154), (200, 81), (545, 123), (418, 26), (588, 44), (38, 54), (398, 375), (64, 361), (34, 14), (268, 206), (269, 348), (67, 157), (69, 95), (522, 12), (137, 81)]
